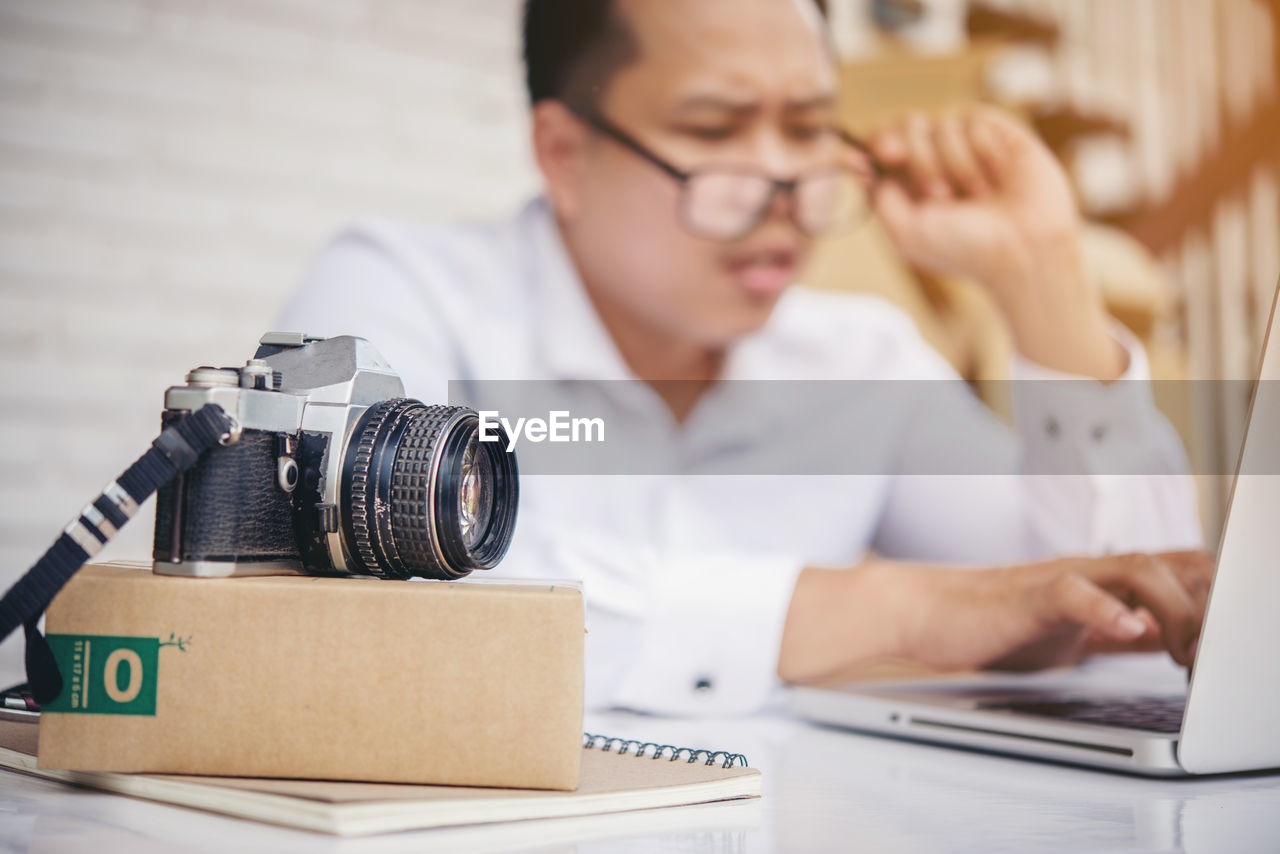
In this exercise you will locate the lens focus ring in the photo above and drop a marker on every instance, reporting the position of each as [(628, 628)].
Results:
[(415, 472)]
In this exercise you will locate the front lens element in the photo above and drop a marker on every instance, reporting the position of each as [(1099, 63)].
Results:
[(475, 494)]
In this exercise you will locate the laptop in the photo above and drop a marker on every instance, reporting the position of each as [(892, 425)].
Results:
[(1224, 719)]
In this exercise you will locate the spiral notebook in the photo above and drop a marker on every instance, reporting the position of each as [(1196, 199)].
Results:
[(617, 776)]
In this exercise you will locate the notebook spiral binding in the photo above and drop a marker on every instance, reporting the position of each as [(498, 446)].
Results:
[(651, 750)]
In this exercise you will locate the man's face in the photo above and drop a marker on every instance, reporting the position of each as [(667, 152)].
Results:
[(715, 82)]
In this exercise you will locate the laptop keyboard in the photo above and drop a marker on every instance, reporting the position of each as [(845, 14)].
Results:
[(1154, 714)]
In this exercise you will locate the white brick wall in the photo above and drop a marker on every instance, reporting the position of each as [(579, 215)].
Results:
[(166, 169)]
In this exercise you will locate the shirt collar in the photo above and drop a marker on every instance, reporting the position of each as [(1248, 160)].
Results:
[(572, 340)]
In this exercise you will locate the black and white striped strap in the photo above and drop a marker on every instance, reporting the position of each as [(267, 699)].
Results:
[(99, 521), (176, 449)]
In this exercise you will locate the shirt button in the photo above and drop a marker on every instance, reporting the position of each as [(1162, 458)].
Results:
[(1051, 427), (1099, 432), (702, 685)]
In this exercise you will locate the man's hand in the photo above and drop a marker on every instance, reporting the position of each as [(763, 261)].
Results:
[(1061, 611), (974, 193), (1021, 617)]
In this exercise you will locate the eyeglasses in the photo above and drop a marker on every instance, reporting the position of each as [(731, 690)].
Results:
[(728, 202)]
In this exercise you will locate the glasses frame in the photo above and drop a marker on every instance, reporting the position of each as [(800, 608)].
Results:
[(778, 185)]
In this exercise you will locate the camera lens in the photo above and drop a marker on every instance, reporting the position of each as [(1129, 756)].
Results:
[(423, 496)]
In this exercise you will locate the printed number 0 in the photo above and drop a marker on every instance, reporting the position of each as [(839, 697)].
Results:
[(135, 675)]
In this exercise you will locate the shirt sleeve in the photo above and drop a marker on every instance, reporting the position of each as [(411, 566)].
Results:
[(694, 635), (1092, 468), (1141, 496), (712, 647)]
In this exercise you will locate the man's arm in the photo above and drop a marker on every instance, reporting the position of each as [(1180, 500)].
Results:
[(1030, 615), (976, 194)]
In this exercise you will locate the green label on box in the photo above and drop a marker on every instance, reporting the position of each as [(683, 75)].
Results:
[(106, 675)]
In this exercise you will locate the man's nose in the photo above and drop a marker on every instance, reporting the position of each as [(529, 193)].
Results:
[(776, 157)]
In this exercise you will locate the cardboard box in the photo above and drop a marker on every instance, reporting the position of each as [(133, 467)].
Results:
[(464, 683)]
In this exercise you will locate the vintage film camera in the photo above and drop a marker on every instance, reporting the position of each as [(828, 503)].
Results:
[(331, 470)]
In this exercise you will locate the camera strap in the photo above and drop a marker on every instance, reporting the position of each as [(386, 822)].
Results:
[(175, 450)]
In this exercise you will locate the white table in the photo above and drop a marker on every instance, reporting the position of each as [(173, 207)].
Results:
[(824, 790)]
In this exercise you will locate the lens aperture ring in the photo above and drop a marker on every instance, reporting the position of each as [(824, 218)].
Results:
[(361, 462)]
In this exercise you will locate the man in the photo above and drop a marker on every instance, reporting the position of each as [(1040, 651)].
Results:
[(705, 591)]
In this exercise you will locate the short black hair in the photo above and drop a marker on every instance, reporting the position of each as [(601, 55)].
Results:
[(571, 47)]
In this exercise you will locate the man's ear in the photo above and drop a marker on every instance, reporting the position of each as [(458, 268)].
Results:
[(559, 144)]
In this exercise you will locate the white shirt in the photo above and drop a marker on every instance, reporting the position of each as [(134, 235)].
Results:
[(687, 574)]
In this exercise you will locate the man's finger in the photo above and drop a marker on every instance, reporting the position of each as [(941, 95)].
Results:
[(899, 213), (957, 156), (1195, 561), (1195, 570), (989, 147), (859, 162), (1152, 640), (1073, 598), (889, 145), (925, 164), (1159, 588), (1153, 625)]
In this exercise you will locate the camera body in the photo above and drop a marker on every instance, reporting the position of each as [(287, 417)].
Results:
[(331, 470)]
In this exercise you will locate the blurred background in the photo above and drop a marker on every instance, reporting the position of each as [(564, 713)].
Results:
[(167, 167)]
